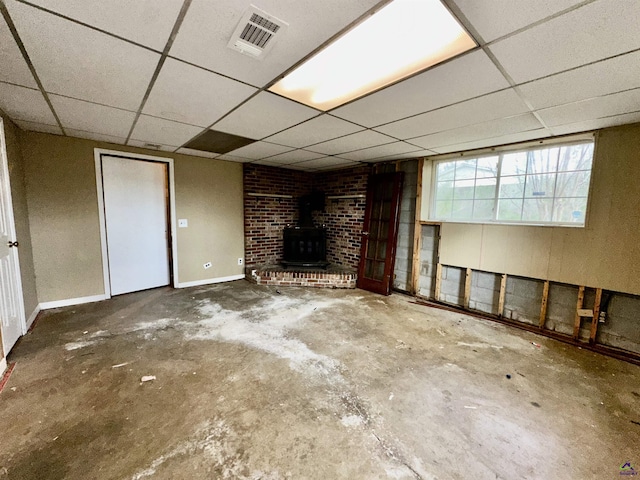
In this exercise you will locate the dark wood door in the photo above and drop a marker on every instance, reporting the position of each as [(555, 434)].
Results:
[(378, 251)]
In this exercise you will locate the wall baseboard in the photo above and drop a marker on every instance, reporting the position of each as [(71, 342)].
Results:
[(72, 301), (33, 316), (209, 281)]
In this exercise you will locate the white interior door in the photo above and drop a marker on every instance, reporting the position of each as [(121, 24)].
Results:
[(135, 207), (11, 306)]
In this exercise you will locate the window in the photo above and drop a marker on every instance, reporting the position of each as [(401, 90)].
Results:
[(547, 185)]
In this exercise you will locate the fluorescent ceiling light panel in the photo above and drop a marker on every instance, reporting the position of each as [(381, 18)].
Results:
[(404, 37)]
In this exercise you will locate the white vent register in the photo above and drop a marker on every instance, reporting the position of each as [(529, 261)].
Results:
[(256, 33)]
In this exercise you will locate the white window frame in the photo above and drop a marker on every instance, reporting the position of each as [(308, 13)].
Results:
[(500, 152)]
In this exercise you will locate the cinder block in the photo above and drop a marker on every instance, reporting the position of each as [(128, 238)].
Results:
[(490, 281)]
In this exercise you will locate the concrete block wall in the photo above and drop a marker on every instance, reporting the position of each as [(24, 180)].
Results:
[(485, 292), (621, 327), (404, 248), (428, 260), (452, 285), (522, 299), (561, 308)]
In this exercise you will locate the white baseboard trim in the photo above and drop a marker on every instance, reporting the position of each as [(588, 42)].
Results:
[(33, 316), (208, 281), (3, 366), (72, 301)]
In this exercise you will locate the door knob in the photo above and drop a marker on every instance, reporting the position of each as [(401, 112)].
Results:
[(12, 244), (365, 233)]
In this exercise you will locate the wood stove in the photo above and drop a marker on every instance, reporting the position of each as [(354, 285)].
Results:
[(306, 245)]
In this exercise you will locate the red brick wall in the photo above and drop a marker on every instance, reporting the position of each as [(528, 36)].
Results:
[(343, 217), (265, 218)]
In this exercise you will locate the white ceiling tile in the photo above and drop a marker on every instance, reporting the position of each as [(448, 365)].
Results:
[(95, 136), (197, 153), (147, 22), (90, 117), (342, 166), (596, 124), (489, 107), (325, 162), (295, 156), (468, 76), (208, 26), (495, 141), (313, 131), (260, 150), (348, 143), (157, 146), (234, 158), (14, 68), (480, 131), (414, 154), (495, 18), (598, 107), (22, 103), (390, 149), (264, 114), (164, 132), (79, 62), (38, 127), (609, 76), (584, 35), (189, 94)]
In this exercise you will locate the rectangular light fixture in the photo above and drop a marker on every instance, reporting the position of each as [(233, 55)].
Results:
[(402, 38)]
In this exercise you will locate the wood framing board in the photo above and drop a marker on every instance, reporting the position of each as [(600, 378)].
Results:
[(503, 291), (417, 233), (576, 323), (467, 288), (438, 281), (543, 304), (596, 316)]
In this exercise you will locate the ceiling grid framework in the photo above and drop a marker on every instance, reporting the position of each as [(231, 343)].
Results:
[(149, 75)]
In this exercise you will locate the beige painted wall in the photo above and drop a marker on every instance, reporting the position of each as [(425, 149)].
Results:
[(63, 215), (21, 217), (606, 253)]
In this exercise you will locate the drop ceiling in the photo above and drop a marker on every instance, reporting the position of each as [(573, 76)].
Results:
[(159, 73)]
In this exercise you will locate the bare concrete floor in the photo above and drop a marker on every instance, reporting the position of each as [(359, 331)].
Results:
[(318, 384)]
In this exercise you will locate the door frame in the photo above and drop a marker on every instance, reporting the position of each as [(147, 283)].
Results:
[(4, 164), (98, 153)]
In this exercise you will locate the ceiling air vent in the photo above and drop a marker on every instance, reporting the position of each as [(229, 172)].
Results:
[(256, 33)]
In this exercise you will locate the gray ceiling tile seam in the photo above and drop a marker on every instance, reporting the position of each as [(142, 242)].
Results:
[(97, 29), (27, 59), (163, 57)]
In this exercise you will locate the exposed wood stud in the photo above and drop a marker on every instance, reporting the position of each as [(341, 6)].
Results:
[(417, 233), (576, 323), (438, 281), (467, 288), (596, 316), (503, 291), (543, 304)]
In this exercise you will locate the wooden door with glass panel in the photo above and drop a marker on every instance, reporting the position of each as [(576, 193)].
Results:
[(377, 254)]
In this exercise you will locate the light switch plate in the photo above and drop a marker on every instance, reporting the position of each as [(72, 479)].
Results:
[(183, 223)]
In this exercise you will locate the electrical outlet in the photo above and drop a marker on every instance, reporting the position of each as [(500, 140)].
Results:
[(207, 265), (240, 261)]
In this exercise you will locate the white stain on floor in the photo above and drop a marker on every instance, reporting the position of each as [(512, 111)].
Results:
[(215, 441)]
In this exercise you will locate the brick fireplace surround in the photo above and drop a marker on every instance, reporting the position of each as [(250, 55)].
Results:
[(266, 217)]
